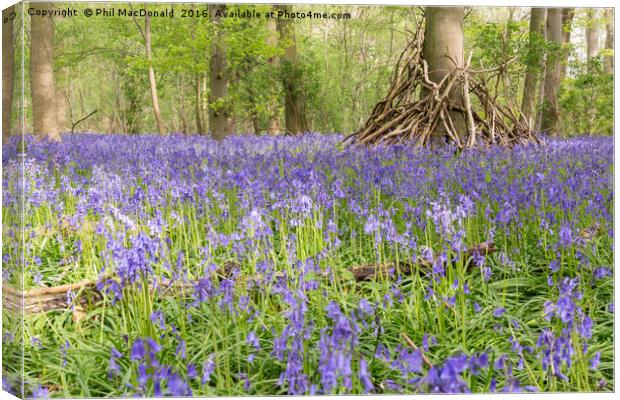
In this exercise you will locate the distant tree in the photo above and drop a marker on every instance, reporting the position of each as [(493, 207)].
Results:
[(43, 89), (550, 116), (8, 61), (198, 109), (443, 51), (592, 34), (568, 15), (198, 81), (146, 35), (294, 97), (218, 78), (272, 40), (609, 41), (535, 63)]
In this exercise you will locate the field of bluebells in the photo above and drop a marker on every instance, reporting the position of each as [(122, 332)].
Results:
[(143, 215)]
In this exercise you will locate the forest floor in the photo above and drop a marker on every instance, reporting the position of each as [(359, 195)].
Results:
[(226, 268)]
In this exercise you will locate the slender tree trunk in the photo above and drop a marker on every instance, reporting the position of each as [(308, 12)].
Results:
[(541, 85), (273, 126), (198, 110), (255, 124), (294, 98), (152, 82), (181, 100), (43, 88), (535, 64), (204, 107), (218, 111), (609, 41), (443, 51), (550, 117), (568, 14), (8, 63), (592, 34), (61, 109)]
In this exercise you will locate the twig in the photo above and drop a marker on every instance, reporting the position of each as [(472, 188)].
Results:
[(413, 346), (82, 119)]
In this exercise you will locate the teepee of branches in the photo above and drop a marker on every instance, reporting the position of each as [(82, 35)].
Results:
[(415, 106)]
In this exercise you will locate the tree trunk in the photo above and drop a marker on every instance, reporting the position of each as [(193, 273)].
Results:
[(181, 100), (218, 111), (43, 89), (273, 126), (61, 109), (550, 117), (294, 99), (204, 106), (443, 51), (152, 82), (568, 15), (609, 41), (198, 110), (535, 63), (8, 62), (592, 34), (541, 84)]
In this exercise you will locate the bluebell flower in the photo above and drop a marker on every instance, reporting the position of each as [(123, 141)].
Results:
[(208, 367), (40, 392), (365, 377), (498, 312), (177, 386), (595, 360)]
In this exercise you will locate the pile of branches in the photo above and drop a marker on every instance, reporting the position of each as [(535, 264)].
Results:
[(415, 107)]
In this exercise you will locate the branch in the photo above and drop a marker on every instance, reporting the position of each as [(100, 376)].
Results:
[(82, 119)]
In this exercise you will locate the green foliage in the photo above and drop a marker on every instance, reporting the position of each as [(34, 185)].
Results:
[(587, 99), (344, 66)]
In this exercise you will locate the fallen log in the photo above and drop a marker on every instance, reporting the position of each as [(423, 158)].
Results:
[(79, 296)]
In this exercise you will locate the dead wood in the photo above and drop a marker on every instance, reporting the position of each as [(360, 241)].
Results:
[(415, 106), (80, 296)]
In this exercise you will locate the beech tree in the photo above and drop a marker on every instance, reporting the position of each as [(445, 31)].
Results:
[(535, 63), (592, 35), (294, 99), (218, 78), (443, 51), (8, 61), (43, 88), (568, 15), (272, 40), (609, 41), (550, 116), (146, 35)]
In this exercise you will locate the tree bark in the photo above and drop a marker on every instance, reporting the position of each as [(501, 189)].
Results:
[(8, 63), (152, 82), (43, 88), (550, 117), (294, 98), (535, 64), (568, 14), (273, 126), (443, 51), (592, 35), (218, 111), (609, 41)]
